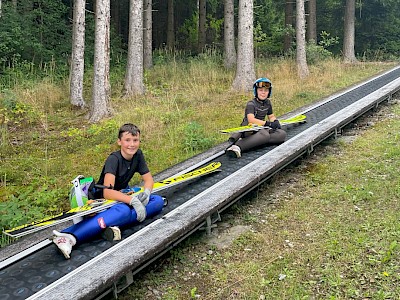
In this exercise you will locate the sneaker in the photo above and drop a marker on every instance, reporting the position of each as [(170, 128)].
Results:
[(111, 234), (233, 151), (64, 242)]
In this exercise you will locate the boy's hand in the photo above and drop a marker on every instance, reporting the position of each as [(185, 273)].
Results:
[(139, 208), (144, 197), (275, 124)]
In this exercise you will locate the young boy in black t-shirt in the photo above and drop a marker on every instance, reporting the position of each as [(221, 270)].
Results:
[(118, 170), (258, 111)]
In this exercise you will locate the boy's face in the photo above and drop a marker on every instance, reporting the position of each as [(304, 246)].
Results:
[(129, 144), (262, 93)]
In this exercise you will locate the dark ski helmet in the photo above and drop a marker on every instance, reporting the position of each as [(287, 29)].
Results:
[(262, 82)]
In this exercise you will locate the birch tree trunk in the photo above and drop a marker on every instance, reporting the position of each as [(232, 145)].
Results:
[(245, 74), (229, 34), (301, 58), (312, 21), (78, 55), (101, 77), (288, 40), (134, 70), (170, 26), (349, 32), (147, 35), (202, 26)]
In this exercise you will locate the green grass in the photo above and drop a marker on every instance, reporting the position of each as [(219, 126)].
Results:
[(327, 228), (45, 143)]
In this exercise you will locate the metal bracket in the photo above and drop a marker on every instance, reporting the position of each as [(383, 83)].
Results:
[(310, 149), (337, 133), (209, 222), (122, 283)]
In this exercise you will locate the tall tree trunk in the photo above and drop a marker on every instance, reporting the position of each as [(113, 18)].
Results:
[(301, 58), (101, 77), (288, 40), (202, 26), (78, 55), (349, 32), (229, 34), (147, 37), (0, 9), (170, 26), (245, 73), (312, 21), (134, 70)]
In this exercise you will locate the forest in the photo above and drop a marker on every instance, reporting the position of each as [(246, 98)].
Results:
[(39, 33)]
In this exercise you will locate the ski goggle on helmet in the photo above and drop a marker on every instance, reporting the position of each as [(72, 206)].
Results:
[(260, 83)]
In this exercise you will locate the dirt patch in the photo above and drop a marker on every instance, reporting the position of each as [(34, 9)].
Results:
[(223, 235)]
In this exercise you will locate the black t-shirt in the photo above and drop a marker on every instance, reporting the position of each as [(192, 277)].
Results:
[(123, 169), (260, 109)]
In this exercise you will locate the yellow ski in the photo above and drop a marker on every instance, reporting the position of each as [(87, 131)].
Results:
[(255, 127)]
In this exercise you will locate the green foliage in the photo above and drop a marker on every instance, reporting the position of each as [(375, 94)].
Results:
[(318, 53), (378, 30), (210, 57), (269, 29), (188, 33), (193, 292), (37, 33), (24, 72), (330, 14), (195, 138), (177, 255), (42, 36), (14, 112), (326, 40), (40, 199), (11, 36), (98, 133), (266, 44), (216, 28), (259, 35), (390, 252)]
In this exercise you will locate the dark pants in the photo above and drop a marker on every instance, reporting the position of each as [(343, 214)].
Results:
[(250, 140)]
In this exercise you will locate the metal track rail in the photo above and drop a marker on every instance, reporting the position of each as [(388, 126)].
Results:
[(95, 267)]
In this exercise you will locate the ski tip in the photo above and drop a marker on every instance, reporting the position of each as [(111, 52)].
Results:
[(216, 164)]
